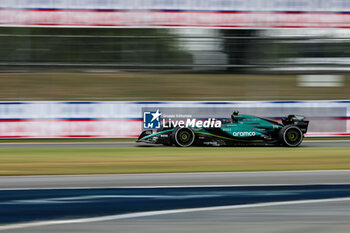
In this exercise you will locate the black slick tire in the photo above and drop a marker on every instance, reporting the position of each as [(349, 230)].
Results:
[(290, 136), (183, 137)]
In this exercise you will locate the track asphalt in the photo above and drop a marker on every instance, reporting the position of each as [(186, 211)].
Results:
[(320, 143)]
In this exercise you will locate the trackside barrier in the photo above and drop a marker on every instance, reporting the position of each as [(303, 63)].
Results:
[(116, 119), (189, 13)]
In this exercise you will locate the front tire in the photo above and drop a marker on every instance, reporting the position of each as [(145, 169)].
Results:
[(183, 137), (291, 136)]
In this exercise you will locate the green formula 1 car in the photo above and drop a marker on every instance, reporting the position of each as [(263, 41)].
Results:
[(241, 130)]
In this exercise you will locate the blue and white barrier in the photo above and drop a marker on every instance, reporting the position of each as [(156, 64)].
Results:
[(115, 119)]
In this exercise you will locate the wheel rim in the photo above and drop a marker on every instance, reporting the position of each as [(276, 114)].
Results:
[(184, 136), (293, 136)]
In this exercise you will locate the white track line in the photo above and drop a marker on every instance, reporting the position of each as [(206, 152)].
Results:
[(163, 212)]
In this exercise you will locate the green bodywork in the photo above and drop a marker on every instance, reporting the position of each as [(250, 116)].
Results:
[(241, 128), (158, 133), (245, 127)]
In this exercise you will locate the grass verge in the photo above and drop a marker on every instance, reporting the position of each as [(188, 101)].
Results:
[(147, 160)]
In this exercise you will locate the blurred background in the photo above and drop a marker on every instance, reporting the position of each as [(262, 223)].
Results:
[(76, 77), (166, 63), (82, 51), (174, 50)]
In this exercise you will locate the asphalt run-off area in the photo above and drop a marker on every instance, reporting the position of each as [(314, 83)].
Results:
[(59, 203), (17, 206)]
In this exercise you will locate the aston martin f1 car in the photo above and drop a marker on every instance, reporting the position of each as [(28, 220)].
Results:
[(240, 130)]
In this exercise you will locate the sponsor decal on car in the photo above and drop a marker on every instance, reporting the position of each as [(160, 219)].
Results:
[(153, 120), (193, 123), (244, 134)]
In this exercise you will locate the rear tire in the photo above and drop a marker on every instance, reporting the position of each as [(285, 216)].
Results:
[(183, 137), (290, 135)]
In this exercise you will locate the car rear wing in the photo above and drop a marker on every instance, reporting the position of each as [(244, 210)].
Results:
[(296, 120)]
